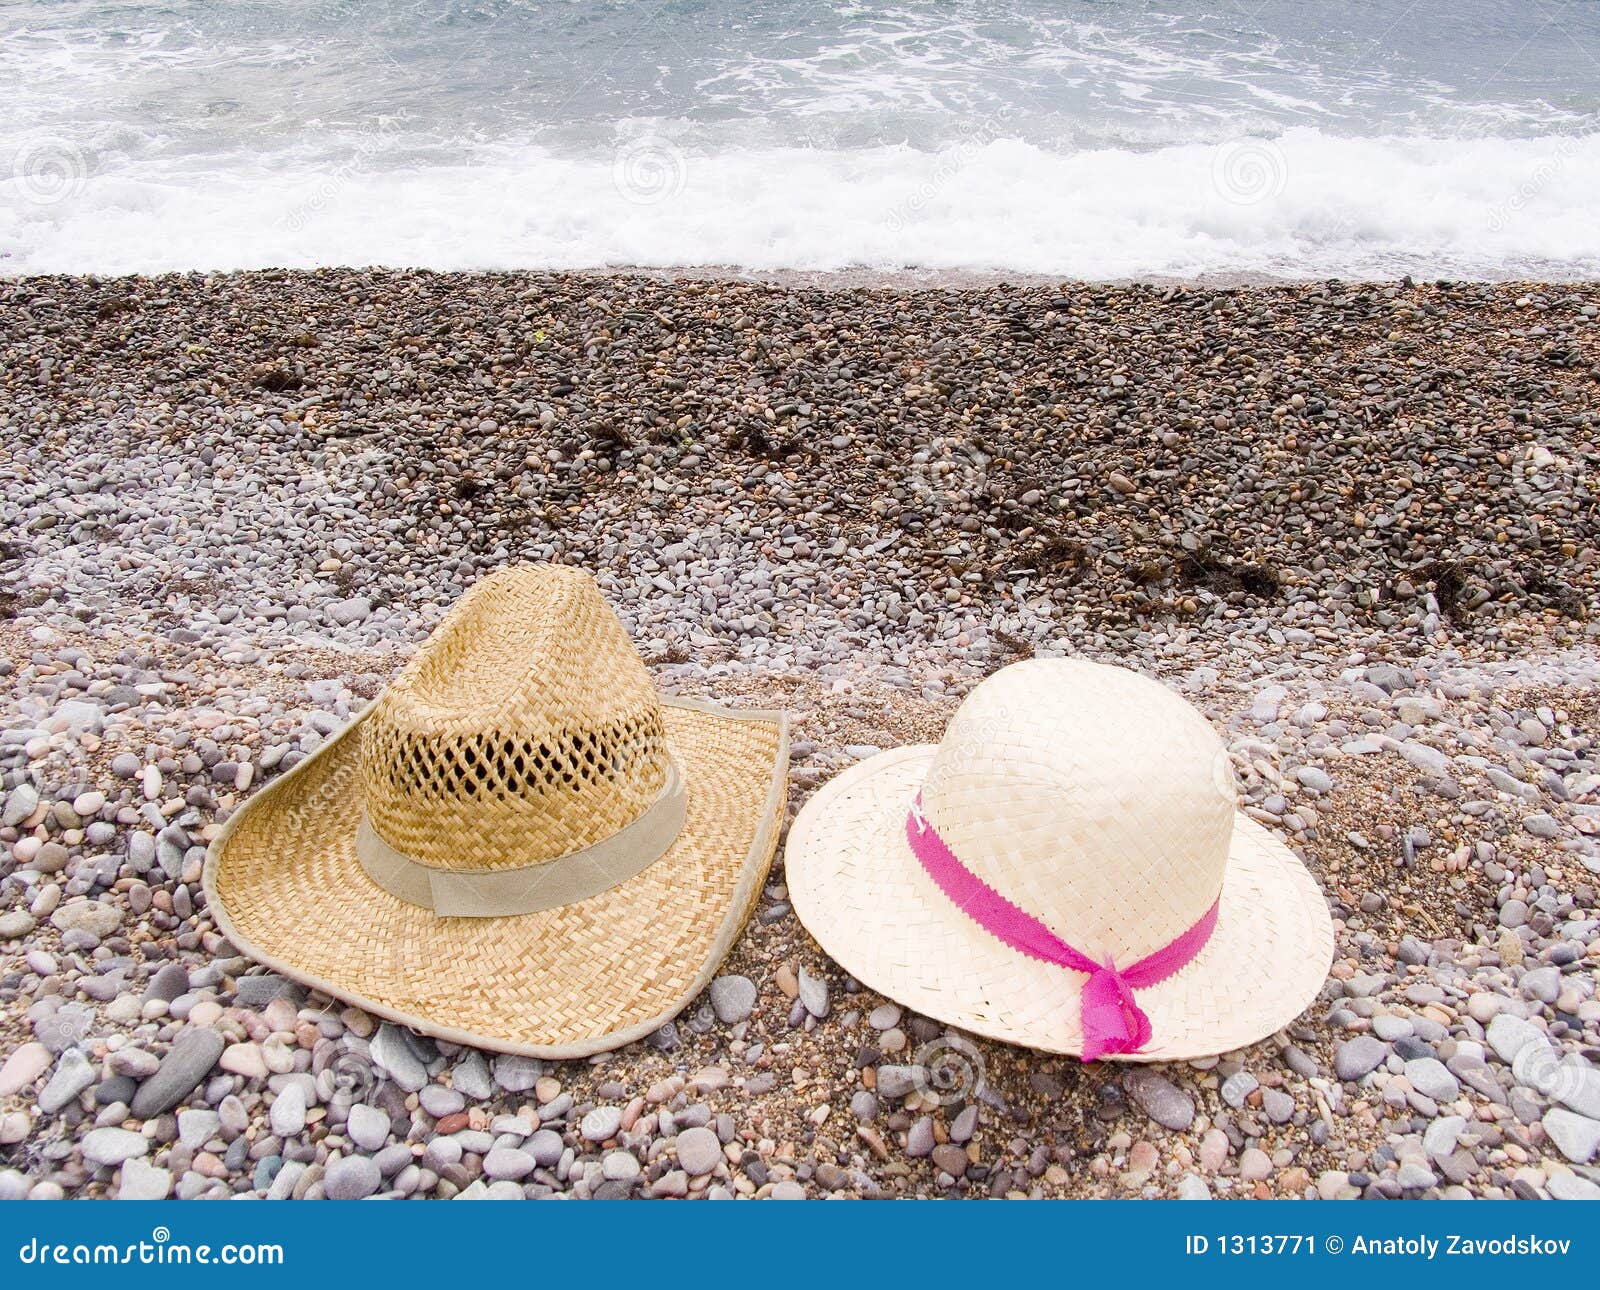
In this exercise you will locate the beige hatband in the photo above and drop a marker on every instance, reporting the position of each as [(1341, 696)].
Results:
[(495, 893)]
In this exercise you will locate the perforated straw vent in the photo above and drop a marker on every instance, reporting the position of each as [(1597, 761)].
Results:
[(525, 729), (513, 767)]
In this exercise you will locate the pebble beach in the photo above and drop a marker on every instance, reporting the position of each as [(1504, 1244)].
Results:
[(1356, 524)]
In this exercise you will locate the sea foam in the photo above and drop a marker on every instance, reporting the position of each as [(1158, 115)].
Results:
[(1301, 204)]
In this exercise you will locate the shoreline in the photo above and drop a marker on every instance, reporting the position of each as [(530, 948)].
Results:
[(919, 279), (903, 279)]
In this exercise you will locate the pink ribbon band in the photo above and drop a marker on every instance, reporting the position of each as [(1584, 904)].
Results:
[(1112, 1019)]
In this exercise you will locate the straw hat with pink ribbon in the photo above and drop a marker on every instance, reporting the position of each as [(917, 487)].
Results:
[(1068, 870)]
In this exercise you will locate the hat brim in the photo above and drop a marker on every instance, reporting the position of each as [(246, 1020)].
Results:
[(284, 884), (864, 896)]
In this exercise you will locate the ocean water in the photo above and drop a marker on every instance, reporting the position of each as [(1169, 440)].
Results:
[(1074, 138)]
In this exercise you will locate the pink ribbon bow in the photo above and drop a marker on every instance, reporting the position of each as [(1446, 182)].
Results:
[(1112, 1020)]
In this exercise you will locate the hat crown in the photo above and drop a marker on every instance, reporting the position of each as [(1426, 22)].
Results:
[(524, 729), (1093, 798)]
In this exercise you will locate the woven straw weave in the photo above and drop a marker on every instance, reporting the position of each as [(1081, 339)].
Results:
[(527, 724), (1096, 801), (1114, 767)]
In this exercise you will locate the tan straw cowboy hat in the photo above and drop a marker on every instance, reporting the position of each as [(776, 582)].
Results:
[(1067, 870), (520, 844)]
